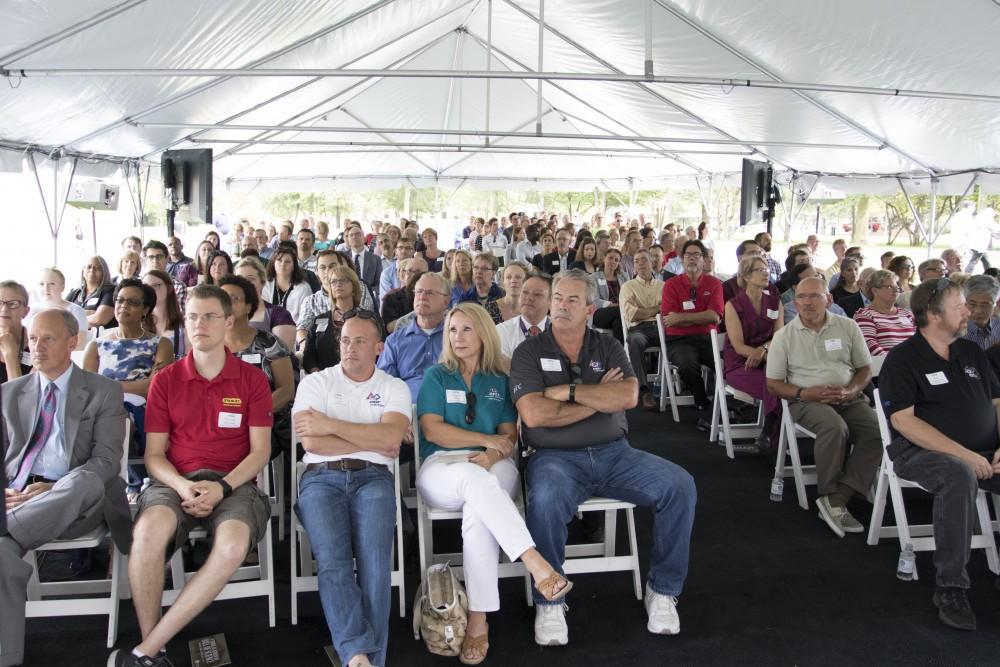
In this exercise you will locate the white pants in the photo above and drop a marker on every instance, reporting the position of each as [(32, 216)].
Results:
[(490, 519)]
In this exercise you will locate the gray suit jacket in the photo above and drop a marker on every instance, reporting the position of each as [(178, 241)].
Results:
[(371, 272), (95, 427)]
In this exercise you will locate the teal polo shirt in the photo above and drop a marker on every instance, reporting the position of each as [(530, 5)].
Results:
[(443, 392)]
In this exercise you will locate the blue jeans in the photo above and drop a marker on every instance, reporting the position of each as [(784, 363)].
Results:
[(350, 517), (560, 479)]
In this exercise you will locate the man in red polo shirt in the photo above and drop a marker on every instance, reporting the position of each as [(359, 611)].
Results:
[(208, 435), (692, 307)]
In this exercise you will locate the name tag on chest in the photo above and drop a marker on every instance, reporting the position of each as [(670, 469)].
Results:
[(455, 396), (937, 378), (688, 305), (230, 419), (553, 365), (833, 344), (92, 302), (773, 314)]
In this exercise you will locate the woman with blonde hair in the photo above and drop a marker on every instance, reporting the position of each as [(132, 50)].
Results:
[(267, 317), (467, 435), (447, 267), (512, 276), (128, 266), (461, 275)]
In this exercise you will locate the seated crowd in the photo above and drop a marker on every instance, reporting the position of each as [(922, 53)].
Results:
[(223, 360)]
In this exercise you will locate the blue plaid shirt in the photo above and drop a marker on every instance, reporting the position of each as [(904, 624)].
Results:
[(985, 337)]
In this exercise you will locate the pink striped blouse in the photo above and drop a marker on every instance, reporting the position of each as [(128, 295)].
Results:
[(884, 332)]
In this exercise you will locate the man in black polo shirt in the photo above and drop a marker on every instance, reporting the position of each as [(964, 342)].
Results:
[(571, 387), (941, 398)]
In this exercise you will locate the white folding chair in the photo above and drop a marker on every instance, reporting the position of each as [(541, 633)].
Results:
[(720, 411), (248, 581), (670, 380), (303, 566), (919, 537), (788, 446), (89, 597), (277, 499), (601, 556), (657, 375), (427, 515)]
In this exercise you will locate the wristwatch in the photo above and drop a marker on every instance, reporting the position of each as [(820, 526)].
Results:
[(227, 490), (798, 395), (572, 393)]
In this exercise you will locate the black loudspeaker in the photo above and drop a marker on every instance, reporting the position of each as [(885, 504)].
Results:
[(167, 172), (191, 175)]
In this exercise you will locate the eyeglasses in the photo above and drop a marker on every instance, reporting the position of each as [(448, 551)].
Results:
[(941, 285), (428, 292), (470, 407), (121, 301), (693, 255), (13, 304), (155, 256), (193, 319), (576, 373), (338, 281)]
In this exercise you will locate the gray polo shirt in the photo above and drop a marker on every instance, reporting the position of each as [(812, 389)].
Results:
[(805, 358), (539, 363)]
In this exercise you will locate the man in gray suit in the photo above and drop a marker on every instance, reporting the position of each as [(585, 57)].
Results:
[(367, 265), (63, 428)]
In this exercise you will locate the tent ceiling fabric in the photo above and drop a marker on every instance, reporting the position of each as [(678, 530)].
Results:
[(902, 44)]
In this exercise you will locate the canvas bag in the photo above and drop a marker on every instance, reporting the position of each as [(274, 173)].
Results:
[(441, 611)]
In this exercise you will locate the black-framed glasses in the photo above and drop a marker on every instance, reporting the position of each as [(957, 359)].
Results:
[(12, 304), (576, 373), (470, 407), (122, 301)]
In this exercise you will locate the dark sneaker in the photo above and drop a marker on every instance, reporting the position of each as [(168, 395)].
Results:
[(123, 657), (953, 608)]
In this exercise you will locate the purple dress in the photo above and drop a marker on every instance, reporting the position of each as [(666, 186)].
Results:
[(758, 328)]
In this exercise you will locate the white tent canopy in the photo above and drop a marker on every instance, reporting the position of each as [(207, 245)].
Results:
[(635, 94)]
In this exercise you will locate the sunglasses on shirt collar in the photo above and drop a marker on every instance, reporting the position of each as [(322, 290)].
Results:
[(470, 407)]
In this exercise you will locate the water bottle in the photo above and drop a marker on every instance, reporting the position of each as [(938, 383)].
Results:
[(907, 561), (656, 387), (777, 489)]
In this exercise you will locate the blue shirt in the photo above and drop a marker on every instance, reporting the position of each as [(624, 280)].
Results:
[(444, 393), (388, 281), (409, 352), (985, 337)]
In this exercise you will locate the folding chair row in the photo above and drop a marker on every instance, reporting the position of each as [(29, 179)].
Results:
[(720, 411)]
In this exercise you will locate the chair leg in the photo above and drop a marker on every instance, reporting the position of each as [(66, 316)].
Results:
[(114, 597), (727, 432), (636, 575), (713, 432), (878, 510), (279, 488), (800, 485), (986, 528), (673, 397), (293, 539), (610, 532)]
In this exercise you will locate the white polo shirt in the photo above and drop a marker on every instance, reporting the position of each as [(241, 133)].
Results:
[(334, 394), (513, 332)]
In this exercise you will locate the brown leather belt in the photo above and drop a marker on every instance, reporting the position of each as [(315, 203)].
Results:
[(344, 464)]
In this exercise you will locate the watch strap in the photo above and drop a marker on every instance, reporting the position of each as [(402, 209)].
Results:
[(227, 489)]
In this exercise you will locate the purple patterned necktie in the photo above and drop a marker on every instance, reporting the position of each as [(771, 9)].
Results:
[(43, 428)]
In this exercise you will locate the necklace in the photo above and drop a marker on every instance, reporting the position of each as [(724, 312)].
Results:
[(120, 334)]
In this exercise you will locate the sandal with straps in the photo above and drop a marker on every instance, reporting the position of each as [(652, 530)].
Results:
[(550, 587), (474, 649)]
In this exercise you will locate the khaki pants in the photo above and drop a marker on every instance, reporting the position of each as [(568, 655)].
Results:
[(838, 472)]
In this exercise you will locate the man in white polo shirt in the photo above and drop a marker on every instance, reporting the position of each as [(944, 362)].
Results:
[(534, 318), (351, 419)]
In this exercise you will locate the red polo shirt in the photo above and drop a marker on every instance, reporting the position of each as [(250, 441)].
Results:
[(208, 421), (677, 298)]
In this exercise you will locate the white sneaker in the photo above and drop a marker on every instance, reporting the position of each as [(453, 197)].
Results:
[(550, 625), (662, 611)]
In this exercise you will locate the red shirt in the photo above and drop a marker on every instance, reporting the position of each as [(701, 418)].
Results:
[(208, 421), (677, 292)]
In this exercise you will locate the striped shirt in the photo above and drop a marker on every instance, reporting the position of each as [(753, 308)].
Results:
[(883, 332), (985, 337)]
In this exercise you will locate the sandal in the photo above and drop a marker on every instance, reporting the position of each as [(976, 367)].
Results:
[(474, 649), (554, 588)]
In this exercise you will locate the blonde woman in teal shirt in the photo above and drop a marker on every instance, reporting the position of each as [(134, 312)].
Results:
[(468, 431)]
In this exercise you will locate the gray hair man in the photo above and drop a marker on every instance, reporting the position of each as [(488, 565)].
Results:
[(981, 294)]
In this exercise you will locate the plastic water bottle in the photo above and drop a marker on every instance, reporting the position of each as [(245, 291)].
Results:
[(656, 387), (777, 489), (907, 562)]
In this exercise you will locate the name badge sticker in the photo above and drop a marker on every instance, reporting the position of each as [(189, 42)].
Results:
[(230, 419), (833, 344), (688, 305), (322, 324), (455, 396), (92, 302), (937, 378), (602, 282), (251, 358), (551, 365), (772, 314)]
